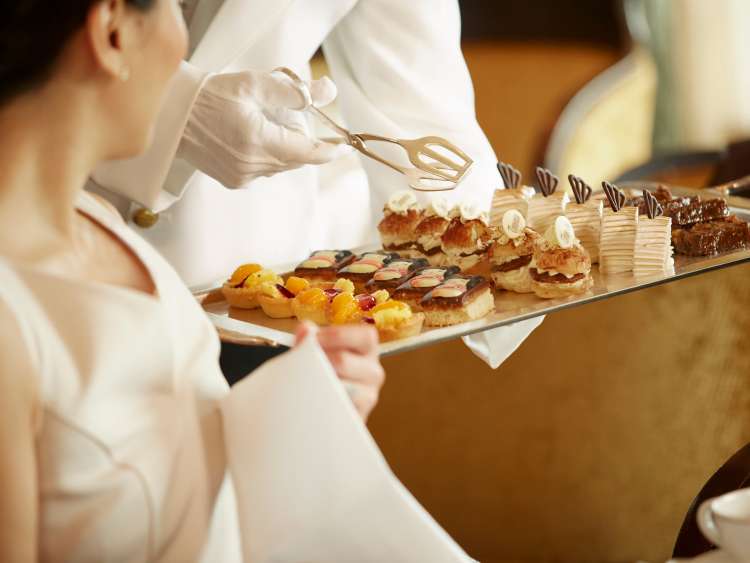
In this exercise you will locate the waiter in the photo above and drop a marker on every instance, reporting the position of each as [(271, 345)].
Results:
[(399, 71)]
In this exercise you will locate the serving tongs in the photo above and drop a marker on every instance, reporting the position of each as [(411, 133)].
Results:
[(437, 164)]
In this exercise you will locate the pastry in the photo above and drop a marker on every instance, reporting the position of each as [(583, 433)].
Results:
[(458, 299), (276, 299), (429, 231), (686, 210), (417, 286), (712, 237), (314, 304), (395, 320), (467, 238), (242, 288), (361, 270), (321, 267), (395, 273), (617, 241), (653, 240), (544, 207), (513, 196), (586, 216), (511, 254), (401, 216), (560, 266)]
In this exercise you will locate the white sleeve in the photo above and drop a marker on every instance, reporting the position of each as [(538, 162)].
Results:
[(409, 82), (156, 179)]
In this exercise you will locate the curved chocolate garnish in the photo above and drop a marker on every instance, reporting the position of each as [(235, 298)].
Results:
[(615, 197), (547, 181), (653, 208), (511, 176), (581, 190)]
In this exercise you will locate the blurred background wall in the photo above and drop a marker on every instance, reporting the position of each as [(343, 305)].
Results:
[(591, 441)]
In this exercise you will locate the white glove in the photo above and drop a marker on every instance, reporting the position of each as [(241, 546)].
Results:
[(496, 345), (244, 125)]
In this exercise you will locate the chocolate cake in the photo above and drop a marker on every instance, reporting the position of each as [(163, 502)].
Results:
[(712, 237), (685, 210)]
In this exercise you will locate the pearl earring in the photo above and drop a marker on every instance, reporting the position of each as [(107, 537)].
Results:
[(124, 74)]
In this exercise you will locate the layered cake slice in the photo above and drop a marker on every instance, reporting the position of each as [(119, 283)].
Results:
[(653, 241), (619, 226), (513, 196), (544, 208), (586, 216)]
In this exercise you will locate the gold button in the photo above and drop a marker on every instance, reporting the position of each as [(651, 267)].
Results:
[(145, 218)]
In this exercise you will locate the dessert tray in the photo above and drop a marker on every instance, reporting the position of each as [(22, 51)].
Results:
[(253, 327)]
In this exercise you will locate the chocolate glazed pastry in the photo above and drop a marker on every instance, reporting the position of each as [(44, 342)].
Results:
[(395, 273), (714, 237), (421, 283), (361, 270), (458, 299), (322, 265)]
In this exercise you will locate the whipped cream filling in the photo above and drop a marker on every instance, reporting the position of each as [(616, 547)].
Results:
[(402, 202)]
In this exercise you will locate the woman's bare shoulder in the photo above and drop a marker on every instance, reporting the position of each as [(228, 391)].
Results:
[(17, 369)]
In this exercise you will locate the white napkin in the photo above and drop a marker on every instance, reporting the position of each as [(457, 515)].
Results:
[(311, 484), (494, 346)]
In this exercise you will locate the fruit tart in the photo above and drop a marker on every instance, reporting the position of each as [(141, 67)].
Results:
[(321, 267), (395, 273), (276, 299), (313, 304), (395, 320), (241, 290)]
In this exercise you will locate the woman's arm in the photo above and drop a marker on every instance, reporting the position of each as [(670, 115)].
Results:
[(18, 473)]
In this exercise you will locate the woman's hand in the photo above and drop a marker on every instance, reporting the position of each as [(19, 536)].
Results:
[(353, 352)]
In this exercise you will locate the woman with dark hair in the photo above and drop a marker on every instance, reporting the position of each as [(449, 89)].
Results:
[(110, 436)]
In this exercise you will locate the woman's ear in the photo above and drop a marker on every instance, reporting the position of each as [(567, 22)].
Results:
[(105, 28)]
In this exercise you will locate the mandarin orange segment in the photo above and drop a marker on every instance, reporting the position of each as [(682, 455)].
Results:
[(345, 309), (243, 272), (313, 296), (297, 285)]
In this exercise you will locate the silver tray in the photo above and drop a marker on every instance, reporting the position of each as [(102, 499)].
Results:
[(253, 327)]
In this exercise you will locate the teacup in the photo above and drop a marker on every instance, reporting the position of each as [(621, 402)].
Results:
[(725, 521)]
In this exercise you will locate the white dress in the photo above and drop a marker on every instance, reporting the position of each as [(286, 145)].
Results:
[(129, 442)]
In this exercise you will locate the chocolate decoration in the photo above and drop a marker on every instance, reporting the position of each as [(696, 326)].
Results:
[(511, 176), (615, 197), (547, 181), (653, 208), (581, 190)]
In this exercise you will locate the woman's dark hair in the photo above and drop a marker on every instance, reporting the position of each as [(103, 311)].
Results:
[(32, 36)]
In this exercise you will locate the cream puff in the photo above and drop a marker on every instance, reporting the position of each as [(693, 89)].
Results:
[(561, 266), (321, 267), (511, 253), (401, 216), (429, 231), (467, 238), (457, 300), (241, 290)]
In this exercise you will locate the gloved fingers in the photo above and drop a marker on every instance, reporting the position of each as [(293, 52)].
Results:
[(290, 146), (323, 92)]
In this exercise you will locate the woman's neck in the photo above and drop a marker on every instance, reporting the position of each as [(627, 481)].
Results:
[(46, 154)]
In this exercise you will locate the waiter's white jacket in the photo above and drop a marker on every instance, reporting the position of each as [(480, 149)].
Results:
[(400, 72)]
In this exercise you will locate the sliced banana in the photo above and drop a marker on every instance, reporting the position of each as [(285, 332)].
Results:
[(561, 233), (513, 223), (402, 201)]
